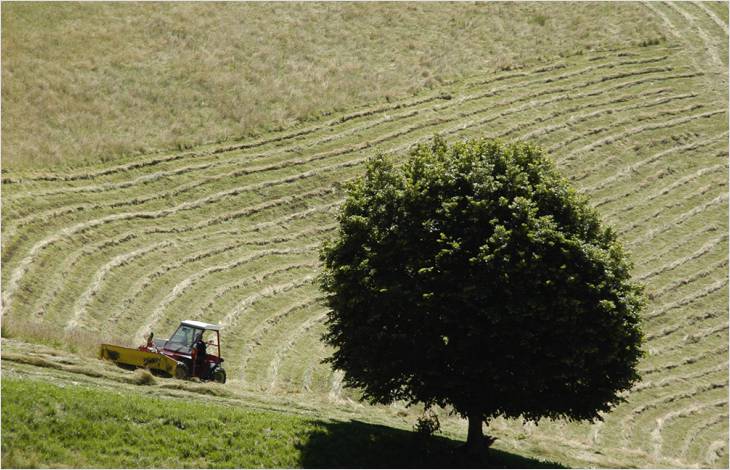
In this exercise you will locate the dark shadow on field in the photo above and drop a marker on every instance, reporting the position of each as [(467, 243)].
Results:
[(356, 444)]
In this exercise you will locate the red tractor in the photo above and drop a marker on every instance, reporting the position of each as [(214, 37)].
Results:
[(186, 354)]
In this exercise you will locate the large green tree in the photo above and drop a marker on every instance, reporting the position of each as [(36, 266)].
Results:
[(474, 276)]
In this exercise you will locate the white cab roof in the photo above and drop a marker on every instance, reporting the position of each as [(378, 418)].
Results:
[(201, 325)]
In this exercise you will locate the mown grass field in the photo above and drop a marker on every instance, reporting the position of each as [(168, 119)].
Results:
[(177, 75), (230, 233)]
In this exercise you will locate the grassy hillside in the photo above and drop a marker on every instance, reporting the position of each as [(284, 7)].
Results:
[(91, 82), (229, 233), (123, 419), (80, 427)]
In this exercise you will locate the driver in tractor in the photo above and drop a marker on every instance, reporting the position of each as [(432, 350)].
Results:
[(201, 365)]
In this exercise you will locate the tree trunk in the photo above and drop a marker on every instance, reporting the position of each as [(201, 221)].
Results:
[(475, 438)]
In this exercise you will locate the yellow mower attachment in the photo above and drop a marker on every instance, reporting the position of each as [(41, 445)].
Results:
[(156, 362)]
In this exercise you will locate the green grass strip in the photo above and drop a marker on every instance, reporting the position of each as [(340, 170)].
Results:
[(77, 426)]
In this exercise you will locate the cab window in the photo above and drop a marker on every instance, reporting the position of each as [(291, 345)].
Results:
[(183, 338)]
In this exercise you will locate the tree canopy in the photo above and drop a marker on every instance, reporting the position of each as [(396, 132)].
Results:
[(474, 276)]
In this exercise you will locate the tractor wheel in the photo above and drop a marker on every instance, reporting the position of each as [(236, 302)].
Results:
[(181, 372), (219, 375)]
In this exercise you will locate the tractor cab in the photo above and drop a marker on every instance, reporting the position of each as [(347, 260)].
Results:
[(195, 344)]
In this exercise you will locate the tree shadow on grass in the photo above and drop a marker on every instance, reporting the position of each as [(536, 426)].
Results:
[(356, 444)]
